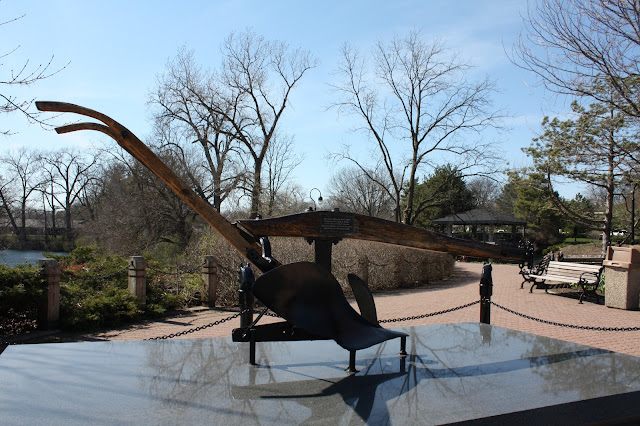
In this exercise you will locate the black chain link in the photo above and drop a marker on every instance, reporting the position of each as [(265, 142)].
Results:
[(193, 330), (559, 324), (433, 314)]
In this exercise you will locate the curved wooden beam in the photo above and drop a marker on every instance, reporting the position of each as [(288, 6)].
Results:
[(134, 146), (326, 224)]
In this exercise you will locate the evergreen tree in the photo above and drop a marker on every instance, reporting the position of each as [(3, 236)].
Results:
[(442, 193)]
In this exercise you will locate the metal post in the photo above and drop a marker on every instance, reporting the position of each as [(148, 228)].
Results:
[(252, 347), (486, 290), (352, 363), (247, 279), (403, 346)]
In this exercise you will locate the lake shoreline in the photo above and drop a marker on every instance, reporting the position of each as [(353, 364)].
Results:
[(13, 258)]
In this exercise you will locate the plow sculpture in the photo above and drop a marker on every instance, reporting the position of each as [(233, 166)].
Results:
[(305, 294)]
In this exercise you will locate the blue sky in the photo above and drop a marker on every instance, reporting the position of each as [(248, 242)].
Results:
[(116, 48)]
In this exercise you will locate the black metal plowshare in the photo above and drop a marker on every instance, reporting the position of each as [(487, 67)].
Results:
[(311, 301)]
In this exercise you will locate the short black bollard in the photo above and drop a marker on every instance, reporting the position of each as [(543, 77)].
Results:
[(247, 279), (486, 290)]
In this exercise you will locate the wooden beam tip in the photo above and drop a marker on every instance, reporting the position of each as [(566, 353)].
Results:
[(55, 106), (41, 105)]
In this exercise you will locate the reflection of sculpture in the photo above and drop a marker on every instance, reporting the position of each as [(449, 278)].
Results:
[(305, 294)]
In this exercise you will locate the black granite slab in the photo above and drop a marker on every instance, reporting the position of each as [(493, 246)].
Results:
[(465, 372)]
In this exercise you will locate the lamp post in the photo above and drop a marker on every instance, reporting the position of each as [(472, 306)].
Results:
[(315, 206)]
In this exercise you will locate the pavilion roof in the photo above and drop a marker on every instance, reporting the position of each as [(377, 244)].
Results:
[(479, 217)]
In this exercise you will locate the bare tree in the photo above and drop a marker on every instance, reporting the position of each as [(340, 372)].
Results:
[(485, 191), (23, 75), (256, 81), (415, 96), (68, 175), (280, 161), (183, 119), (154, 214), (353, 191), (23, 179), (7, 200), (577, 47)]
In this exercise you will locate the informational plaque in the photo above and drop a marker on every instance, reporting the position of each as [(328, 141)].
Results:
[(337, 224)]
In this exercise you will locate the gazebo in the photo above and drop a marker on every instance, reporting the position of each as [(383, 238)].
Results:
[(482, 224)]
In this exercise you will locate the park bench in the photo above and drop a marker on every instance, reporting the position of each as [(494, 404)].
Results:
[(552, 274), (533, 270)]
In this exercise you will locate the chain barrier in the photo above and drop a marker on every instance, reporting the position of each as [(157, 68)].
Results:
[(433, 314), (268, 314), (559, 324), (411, 318), (193, 330), (271, 314)]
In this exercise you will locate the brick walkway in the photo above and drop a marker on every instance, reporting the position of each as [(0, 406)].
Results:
[(458, 290)]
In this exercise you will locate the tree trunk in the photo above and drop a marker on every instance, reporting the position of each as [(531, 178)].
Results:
[(217, 190), (608, 217), (67, 221), (407, 218), (256, 190), (12, 219)]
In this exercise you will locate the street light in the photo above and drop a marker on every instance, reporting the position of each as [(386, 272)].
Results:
[(315, 206)]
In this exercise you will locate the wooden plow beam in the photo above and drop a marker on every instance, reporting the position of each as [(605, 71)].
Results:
[(134, 146), (335, 224)]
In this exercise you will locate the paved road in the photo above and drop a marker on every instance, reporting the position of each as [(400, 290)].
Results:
[(460, 289)]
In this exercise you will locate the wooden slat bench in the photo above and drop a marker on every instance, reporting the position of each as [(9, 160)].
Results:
[(558, 274)]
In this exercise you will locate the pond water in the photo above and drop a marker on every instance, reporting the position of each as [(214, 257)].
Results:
[(16, 257)]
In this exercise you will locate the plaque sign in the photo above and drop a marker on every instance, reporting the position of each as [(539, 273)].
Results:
[(337, 224)]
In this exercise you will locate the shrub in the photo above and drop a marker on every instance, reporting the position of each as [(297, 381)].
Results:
[(21, 290), (83, 308), (93, 291)]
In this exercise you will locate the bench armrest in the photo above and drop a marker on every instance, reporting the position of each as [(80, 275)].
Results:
[(595, 275)]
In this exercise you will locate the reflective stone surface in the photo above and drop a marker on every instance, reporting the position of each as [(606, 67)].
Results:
[(455, 372)]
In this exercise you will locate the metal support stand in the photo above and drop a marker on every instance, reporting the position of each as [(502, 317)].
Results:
[(486, 290), (403, 346), (352, 363), (252, 347), (323, 250)]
